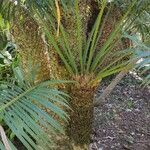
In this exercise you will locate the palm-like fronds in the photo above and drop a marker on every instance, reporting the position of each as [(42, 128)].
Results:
[(144, 65), (85, 68), (22, 108), (89, 58), (142, 55), (10, 145), (140, 16)]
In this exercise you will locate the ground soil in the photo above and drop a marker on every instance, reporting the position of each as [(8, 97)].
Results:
[(123, 122)]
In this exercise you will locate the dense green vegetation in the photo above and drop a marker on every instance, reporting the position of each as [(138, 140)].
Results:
[(54, 54)]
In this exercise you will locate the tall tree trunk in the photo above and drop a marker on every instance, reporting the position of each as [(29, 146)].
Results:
[(31, 46)]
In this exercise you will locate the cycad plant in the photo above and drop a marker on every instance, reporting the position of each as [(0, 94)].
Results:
[(83, 62), (24, 108), (77, 55)]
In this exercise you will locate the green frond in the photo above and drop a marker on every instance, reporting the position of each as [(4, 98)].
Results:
[(22, 108), (79, 34), (95, 34), (110, 39), (2, 147), (67, 49), (142, 55)]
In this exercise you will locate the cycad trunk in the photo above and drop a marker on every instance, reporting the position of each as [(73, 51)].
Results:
[(81, 115), (79, 128), (31, 46)]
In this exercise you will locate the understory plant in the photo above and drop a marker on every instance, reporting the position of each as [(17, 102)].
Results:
[(30, 110), (142, 54)]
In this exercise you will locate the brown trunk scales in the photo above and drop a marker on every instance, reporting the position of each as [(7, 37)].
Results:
[(31, 46), (81, 116)]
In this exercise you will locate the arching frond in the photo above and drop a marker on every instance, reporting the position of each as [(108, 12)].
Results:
[(24, 107), (142, 54), (144, 66)]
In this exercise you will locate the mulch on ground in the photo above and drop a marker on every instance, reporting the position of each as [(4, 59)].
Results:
[(123, 122)]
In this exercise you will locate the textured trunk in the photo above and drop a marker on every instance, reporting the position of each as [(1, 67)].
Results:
[(79, 129), (81, 115), (31, 46)]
